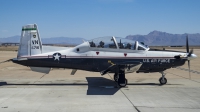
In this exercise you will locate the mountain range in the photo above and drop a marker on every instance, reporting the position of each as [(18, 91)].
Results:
[(158, 38), (53, 40), (154, 38)]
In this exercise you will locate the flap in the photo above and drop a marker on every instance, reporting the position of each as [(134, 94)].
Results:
[(73, 71), (41, 69), (130, 68)]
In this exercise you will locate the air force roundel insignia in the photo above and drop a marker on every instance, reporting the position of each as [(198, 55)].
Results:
[(56, 56)]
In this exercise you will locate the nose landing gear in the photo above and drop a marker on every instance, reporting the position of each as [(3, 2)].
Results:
[(162, 79)]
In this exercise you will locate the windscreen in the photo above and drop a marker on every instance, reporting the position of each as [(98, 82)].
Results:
[(125, 43), (103, 42)]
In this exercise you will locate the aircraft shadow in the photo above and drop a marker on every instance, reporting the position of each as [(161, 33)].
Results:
[(101, 86), (83, 84), (150, 84), (51, 84), (96, 85)]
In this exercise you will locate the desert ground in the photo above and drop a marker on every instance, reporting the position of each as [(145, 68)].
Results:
[(22, 90)]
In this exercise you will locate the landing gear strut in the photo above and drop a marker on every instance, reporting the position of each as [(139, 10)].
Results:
[(120, 78), (162, 79), (116, 77)]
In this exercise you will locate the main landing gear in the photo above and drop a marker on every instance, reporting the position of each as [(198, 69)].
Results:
[(120, 78), (116, 77), (162, 79)]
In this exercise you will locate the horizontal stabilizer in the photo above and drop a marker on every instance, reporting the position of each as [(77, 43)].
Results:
[(41, 69), (6, 61)]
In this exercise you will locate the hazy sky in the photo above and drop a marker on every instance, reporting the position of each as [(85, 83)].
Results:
[(98, 18)]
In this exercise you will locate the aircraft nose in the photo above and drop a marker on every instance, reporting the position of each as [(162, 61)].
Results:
[(192, 56)]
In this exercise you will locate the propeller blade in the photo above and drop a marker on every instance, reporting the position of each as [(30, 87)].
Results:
[(187, 46), (189, 68), (191, 51)]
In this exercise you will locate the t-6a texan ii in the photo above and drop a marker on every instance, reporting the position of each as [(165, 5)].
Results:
[(107, 54)]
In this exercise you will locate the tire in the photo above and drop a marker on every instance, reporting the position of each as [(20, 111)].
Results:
[(116, 77), (162, 82), (123, 85)]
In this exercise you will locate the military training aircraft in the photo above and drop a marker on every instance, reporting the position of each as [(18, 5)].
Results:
[(105, 55)]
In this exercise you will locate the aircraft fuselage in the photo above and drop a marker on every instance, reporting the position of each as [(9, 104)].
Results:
[(152, 61)]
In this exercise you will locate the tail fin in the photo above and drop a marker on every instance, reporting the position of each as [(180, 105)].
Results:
[(30, 43)]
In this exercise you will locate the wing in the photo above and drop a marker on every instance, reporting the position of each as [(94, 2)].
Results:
[(127, 66), (131, 67)]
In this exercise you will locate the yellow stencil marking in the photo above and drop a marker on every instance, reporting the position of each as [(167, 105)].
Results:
[(111, 62)]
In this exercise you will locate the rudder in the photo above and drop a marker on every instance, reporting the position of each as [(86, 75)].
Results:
[(30, 42)]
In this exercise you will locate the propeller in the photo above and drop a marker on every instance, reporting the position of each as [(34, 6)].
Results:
[(191, 51), (187, 46), (189, 54), (189, 68)]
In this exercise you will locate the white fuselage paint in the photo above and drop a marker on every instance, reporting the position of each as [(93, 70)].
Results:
[(87, 52)]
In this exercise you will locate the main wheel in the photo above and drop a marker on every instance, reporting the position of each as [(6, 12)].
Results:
[(123, 85), (162, 81), (116, 77)]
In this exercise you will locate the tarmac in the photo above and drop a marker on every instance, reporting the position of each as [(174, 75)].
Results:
[(22, 90)]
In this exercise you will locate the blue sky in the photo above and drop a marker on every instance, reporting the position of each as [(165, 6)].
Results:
[(98, 18)]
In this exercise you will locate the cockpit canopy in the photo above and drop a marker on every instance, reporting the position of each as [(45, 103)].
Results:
[(117, 43)]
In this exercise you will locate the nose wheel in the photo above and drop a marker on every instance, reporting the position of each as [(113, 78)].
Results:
[(162, 79)]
